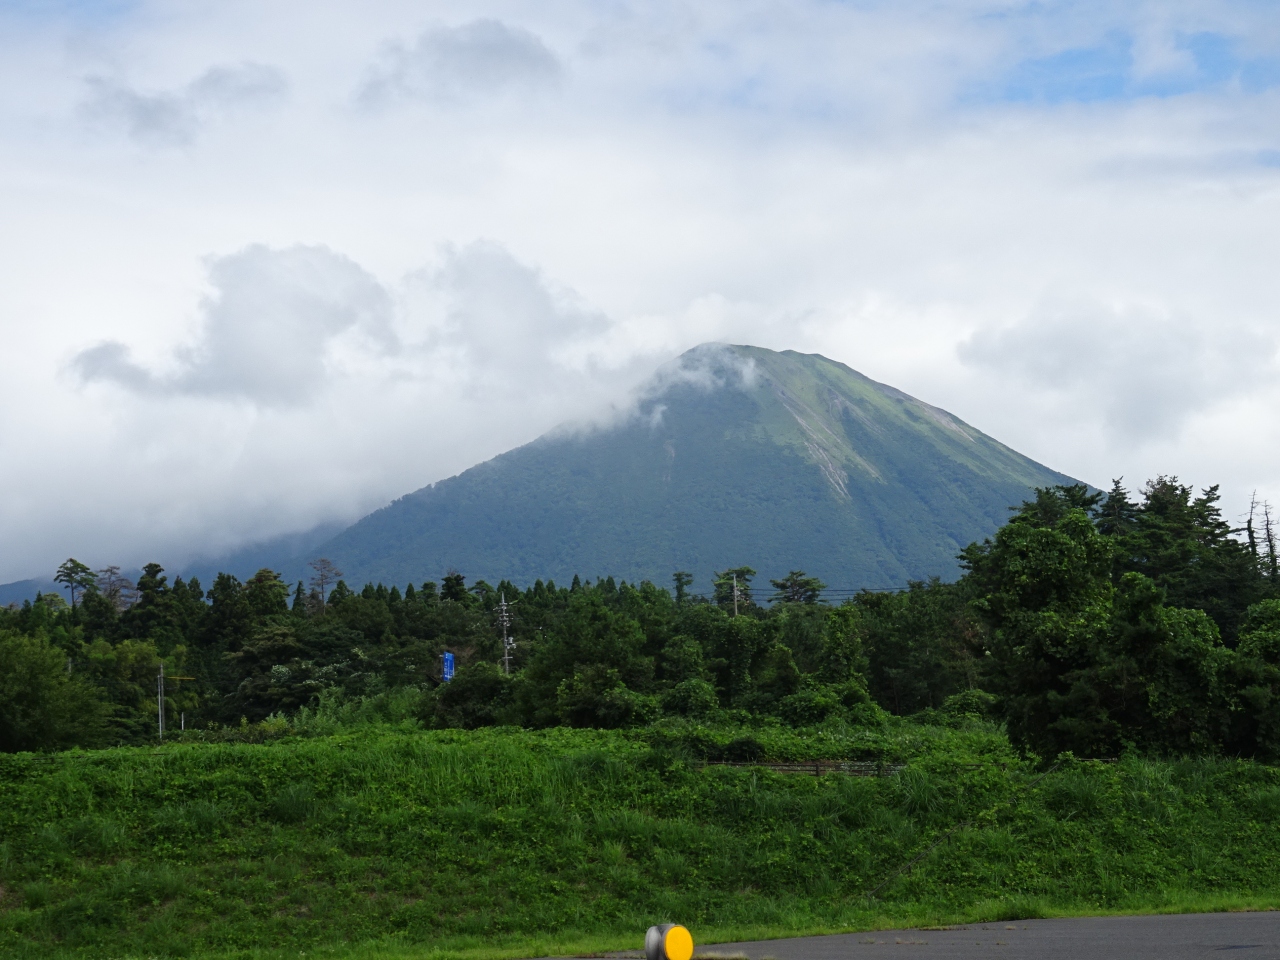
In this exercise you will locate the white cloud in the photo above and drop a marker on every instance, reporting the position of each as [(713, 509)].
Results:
[(175, 117), (269, 330), (1143, 373), (457, 64), (309, 309)]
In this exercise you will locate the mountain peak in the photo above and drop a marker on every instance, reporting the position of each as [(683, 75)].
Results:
[(734, 455)]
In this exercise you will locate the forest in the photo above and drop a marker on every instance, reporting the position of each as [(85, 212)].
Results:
[(1091, 623), (1083, 722)]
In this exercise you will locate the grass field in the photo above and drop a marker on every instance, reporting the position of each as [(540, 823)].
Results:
[(392, 842)]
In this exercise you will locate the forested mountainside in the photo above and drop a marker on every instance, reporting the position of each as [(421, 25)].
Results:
[(735, 454)]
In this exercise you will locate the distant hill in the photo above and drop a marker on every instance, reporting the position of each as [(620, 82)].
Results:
[(734, 455), (21, 590)]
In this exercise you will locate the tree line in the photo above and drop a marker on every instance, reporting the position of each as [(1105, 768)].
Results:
[(1090, 622)]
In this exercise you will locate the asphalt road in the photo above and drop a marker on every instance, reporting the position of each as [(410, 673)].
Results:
[(1182, 937)]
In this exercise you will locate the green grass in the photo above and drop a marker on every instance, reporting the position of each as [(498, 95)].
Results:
[(509, 843)]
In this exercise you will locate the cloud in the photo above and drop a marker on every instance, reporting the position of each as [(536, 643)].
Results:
[(709, 366), (457, 64), (269, 330), (175, 118), (283, 325), (1145, 372), (870, 181), (505, 316)]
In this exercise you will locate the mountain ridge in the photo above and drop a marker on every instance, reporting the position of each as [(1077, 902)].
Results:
[(774, 436), (730, 455)]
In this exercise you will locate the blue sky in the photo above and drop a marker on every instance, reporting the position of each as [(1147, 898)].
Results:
[(251, 248), (1105, 71)]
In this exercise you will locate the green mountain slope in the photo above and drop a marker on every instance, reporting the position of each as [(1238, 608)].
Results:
[(735, 455)]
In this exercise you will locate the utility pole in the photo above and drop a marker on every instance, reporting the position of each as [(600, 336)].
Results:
[(160, 698), (508, 642), (735, 594)]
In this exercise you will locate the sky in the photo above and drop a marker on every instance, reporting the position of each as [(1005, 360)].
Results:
[(270, 265)]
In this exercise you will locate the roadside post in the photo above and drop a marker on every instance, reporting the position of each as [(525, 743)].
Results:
[(668, 941)]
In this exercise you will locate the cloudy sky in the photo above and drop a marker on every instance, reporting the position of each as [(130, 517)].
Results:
[(264, 265)]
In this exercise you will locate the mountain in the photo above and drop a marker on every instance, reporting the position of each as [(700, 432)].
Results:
[(733, 455)]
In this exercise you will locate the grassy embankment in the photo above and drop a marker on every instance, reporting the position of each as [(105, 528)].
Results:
[(505, 843)]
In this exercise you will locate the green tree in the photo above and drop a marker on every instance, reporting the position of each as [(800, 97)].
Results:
[(454, 587), (42, 705), (796, 587), (479, 695), (75, 575), (1117, 514), (922, 644), (1181, 542), (1085, 665), (266, 594)]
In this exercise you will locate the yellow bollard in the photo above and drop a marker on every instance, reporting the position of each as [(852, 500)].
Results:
[(668, 941)]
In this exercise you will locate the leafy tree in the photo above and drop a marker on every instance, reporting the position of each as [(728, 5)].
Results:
[(1181, 542), (454, 587), (479, 695), (125, 672), (75, 575), (156, 614), (922, 644), (1043, 589), (586, 634), (230, 620), (596, 696), (795, 587), (1117, 514), (1257, 721), (1083, 665), (42, 705), (693, 697), (682, 579), (271, 674), (266, 594)]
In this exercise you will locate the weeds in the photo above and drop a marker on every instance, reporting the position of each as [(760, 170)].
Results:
[(507, 842)]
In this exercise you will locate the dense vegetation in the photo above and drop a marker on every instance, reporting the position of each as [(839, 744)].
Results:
[(536, 843), (1089, 623), (329, 788)]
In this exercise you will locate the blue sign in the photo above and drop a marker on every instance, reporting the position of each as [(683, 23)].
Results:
[(448, 666)]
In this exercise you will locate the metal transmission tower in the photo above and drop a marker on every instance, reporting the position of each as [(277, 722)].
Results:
[(504, 621)]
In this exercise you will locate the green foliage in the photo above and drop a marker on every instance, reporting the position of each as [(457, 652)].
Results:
[(1085, 648), (75, 575), (1089, 624), (444, 841), (922, 644), (796, 587), (42, 706)]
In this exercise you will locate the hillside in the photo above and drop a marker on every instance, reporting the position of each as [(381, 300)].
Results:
[(733, 455), (389, 843)]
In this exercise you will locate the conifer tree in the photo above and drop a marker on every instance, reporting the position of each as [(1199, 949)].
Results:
[(75, 575)]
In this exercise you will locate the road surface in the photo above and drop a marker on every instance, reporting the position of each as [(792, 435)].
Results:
[(1175, 937)]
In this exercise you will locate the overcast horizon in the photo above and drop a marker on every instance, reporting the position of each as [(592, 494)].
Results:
[(268, 266)]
